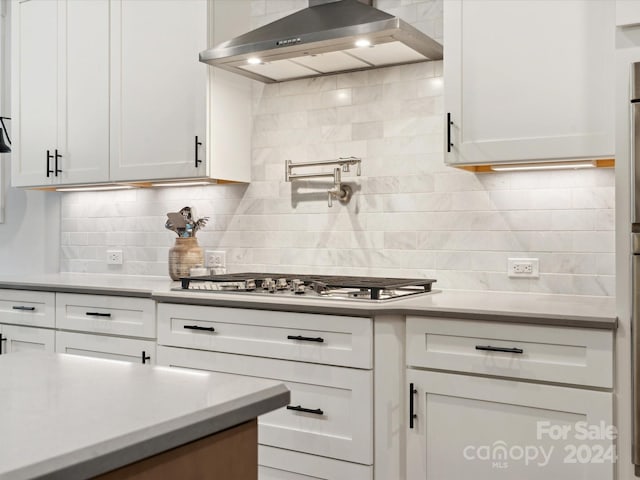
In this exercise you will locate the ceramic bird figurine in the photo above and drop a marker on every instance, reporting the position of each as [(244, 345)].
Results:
[(183, 223)]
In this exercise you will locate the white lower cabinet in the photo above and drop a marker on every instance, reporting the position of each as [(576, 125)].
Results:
[(490, 429), (331, 409), (281, 464), (103, 346), (15, 338), (478, 405)]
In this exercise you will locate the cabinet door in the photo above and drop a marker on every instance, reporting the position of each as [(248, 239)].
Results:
[(529, 80), (35, 36), (627, 12), (29, 308), (488, 429), (331, 410), (103, 346), (83, 136), (282, 464), (158, 89), (61, 96), (106, 314), (19, 339)]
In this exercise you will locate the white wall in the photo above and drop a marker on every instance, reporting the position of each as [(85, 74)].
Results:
[(410, 215), (30, 234)]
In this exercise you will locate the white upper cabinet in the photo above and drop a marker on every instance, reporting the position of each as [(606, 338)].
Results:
[(60, 92), (160, 89), (528, 80), (113, 91), (627, 12)]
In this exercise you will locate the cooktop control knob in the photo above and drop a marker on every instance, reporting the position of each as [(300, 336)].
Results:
[(297, 286), (250, 284), (282, 284)]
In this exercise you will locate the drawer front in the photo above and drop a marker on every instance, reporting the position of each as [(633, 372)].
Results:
[(327, 339), (102, 346), (558, 354), (128, 316), (17, 338), (338, 401), (24, 307), (280, 464)]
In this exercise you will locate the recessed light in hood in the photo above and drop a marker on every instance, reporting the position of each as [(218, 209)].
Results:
[(332, 37)]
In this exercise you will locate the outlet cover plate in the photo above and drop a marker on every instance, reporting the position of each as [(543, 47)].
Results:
[(114, 257), (523, 268), (215, 259)]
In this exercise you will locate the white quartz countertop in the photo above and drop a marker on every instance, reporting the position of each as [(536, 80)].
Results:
[(548, 309), (70, 417)]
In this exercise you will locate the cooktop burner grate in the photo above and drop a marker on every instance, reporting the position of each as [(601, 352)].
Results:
[(378, 287)]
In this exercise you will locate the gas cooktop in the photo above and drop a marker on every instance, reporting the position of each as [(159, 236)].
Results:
[(326, 286)]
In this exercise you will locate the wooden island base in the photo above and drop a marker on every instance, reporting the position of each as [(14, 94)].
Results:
[(229, 455)]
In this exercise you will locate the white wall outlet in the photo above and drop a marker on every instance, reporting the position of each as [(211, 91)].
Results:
[(114, 257), (523, 267), (215, 259)]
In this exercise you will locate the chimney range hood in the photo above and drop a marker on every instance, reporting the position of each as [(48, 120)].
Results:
[(325, 38)]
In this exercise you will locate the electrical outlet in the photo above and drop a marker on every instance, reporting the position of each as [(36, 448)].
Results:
[(114, 257), (523, 267), (215, 259)]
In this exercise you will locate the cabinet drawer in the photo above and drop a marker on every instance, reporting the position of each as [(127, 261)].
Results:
[(558, 354), (16, 338), (342, 426), (23, 307), (103, 346), (280, 464), (328, 339), (128, 316)]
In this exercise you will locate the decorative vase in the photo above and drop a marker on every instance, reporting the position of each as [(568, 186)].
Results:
[(184, 255)]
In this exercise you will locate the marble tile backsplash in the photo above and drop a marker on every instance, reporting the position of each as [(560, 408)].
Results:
[(410, 215)]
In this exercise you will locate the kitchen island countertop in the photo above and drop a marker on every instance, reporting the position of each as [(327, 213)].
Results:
[(536, 308), (71, 417)]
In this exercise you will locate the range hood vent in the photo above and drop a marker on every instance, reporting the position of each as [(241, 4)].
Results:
[(339, 36)]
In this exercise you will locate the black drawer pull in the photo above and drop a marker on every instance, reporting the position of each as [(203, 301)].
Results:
[(97, 314), (298, 408), (49, 158), (145, 357), (22, 307), (198, 162), (489, 348), (198, 327), (412, 416), (306, 339), (449, 123), (56, 169), (2, 339)]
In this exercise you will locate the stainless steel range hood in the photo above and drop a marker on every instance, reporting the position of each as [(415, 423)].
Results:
[(321, 40)]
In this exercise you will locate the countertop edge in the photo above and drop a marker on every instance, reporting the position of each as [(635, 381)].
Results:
[(84, 290), (136, 446), (602, 323)]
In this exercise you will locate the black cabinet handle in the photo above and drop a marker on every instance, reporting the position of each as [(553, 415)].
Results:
[(489, 348), (2, 339), (298, 408), (198, 162), (306, 339), (412, 416), (198, 327), (56, 169), (145, 357), (97, 314), (49, 157), (449, 123), (22, 307)]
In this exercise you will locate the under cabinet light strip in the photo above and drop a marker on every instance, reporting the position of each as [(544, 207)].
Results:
[(543, 166), (181, 184), (94, 188)]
